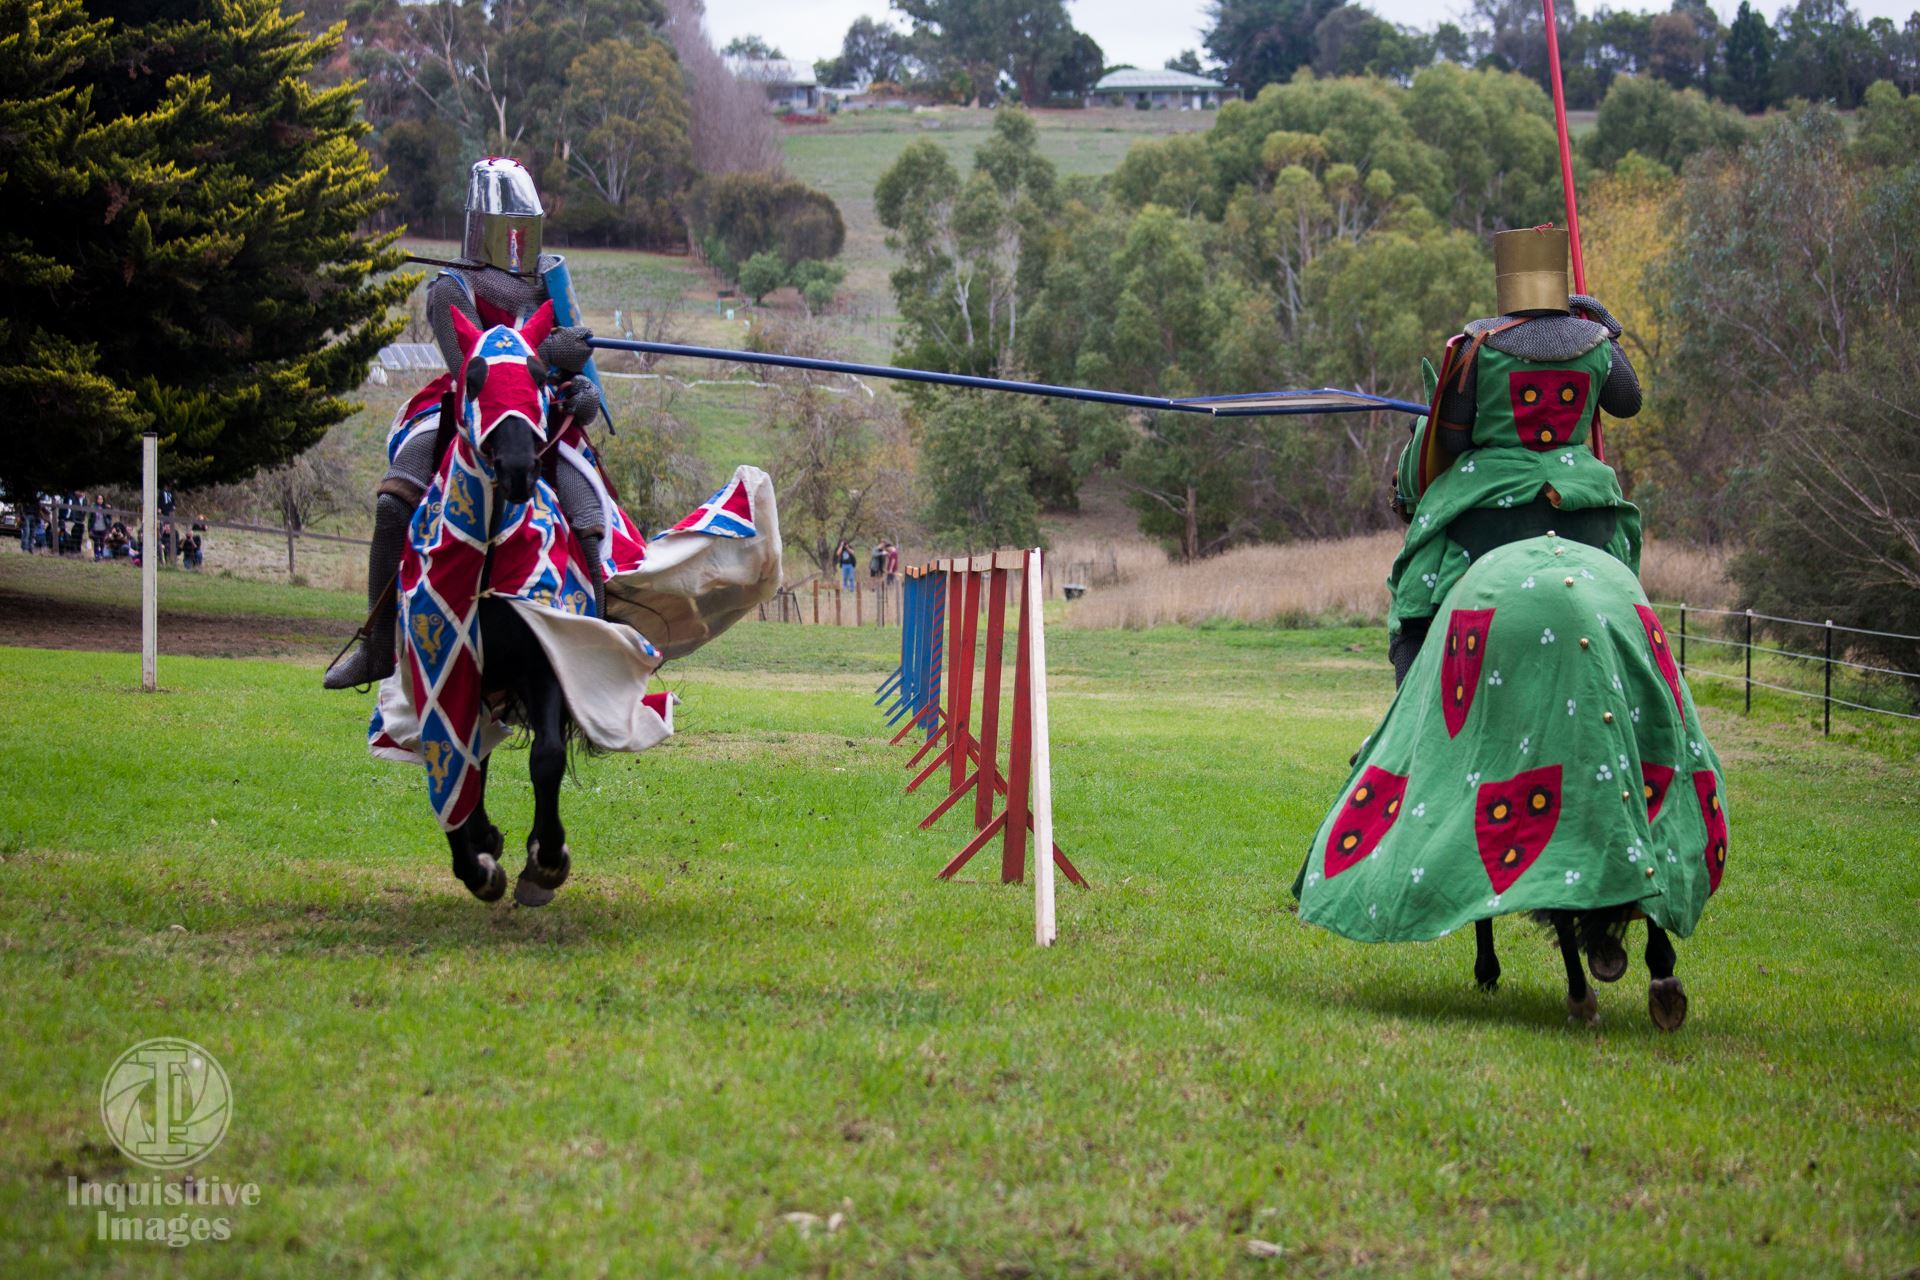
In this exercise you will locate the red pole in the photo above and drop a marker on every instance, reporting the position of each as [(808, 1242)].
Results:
[(1566, 147)]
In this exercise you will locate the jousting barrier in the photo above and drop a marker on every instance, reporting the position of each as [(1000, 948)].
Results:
[(931, 696)]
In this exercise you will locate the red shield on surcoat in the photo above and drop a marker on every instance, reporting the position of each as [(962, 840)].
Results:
[(1513, 820), (1371, 808), (1547, 405)]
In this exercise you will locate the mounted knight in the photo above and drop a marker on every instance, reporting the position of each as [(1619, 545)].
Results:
[(502, 279)]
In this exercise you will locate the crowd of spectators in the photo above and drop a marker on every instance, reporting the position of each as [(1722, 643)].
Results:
[(71, 524)]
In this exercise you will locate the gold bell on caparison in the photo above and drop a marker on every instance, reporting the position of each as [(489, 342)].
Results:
[(1530, 270)]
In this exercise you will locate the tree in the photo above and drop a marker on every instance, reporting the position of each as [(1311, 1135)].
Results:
[(750, 48), (736, 215), (1887, 129), (761, 274), (626, 121), (1262, 42), (870, 51), (728, 122), (1749, 60), (1351, 41), (183, 240), (1020, 39), (1186, 60), (974, 473), (1078, 69), (967, 248), (1822, 53), (1644, 115)]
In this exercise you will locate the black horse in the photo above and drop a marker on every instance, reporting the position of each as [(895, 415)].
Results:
[(1599, 934), (516, 677)]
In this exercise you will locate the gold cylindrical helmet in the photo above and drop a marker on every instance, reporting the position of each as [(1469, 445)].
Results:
[(1530, 270)]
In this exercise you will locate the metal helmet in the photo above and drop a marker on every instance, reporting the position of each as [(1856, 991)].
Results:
[(1530, 270), (504, 216)]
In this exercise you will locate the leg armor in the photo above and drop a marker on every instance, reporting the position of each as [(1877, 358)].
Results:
[(398, 495), (580, 501)]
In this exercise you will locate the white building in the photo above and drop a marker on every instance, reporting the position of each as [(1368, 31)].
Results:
[(1160, 90), (788, 85)]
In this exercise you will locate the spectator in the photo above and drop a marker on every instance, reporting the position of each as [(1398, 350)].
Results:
[(190, 557), (844, 557), (877, 562), (97, 526), (166, 500), (893, 563), (169, 542), (119, 541)]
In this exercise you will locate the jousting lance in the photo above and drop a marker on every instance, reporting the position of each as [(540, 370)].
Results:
[(1257, 405)]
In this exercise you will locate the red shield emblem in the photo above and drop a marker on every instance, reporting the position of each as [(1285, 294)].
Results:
[(1707, 787), (1654, 781), (1662, 653), (1513, 820), (1460, 664), (1547, 405), (1371, 808)]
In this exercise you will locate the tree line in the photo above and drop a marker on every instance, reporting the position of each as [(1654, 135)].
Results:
[(1334, 231)]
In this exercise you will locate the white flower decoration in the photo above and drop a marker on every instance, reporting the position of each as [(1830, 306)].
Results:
[(1636, 715), (1312, 877), (1617, 687), (1473, 779), (1373, 910), (1425, 520), (1570, 706), (1493, 678), (1572, 877), (1623, 764), (1494, 901), (1567, 458), (1431, 579), (1467, 466), (1693, 746), (1603, 774), (1547, 636), (1526, 744), (1634, 851), (1601, 618), (1528, 584), (1417, 872), (1505, 502), (1672, 856), (1420, 810)]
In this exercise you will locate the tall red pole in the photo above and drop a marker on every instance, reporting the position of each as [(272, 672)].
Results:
[(1566, 147)]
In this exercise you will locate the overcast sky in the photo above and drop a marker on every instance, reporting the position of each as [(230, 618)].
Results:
[(1142, 32)]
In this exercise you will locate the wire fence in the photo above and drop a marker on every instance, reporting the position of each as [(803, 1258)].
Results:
[(1730, 632)]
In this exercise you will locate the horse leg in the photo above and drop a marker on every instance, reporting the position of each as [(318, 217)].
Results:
[(548, 859), (1581, 1004), (476, 845), (1486, 965), (1606, 956), (1666, 999)]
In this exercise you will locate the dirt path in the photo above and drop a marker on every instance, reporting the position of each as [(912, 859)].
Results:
[(64, 624)]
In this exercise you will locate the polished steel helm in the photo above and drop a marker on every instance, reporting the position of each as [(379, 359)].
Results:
[(504, 216), (1530, 270)]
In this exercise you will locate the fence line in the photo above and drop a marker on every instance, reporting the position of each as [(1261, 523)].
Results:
[(1827, 660)]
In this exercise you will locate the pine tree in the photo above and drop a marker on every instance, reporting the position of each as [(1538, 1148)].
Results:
[(182, 244), (1749, 60)]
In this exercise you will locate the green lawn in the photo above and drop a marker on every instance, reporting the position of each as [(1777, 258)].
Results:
[(754, 998)]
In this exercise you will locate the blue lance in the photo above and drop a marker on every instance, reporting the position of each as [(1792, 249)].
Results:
[(1256, 404)]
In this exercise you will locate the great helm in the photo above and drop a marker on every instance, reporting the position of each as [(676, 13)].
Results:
[(503, 216), (1530, 270)]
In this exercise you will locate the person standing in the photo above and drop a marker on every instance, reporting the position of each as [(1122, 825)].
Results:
[(97, 526), (893, 563), (844, 557)]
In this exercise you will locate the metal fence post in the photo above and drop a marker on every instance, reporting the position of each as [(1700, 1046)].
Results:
[(1683, 636), (1749, 662), (1826, 700)]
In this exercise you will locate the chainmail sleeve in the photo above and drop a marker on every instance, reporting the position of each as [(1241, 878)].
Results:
[(578, 499), (443, 293), (415, 461), (1621, 394)]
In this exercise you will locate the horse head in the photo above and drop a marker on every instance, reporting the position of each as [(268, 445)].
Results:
[(504, 397)]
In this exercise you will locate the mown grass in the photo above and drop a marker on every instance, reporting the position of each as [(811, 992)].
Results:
[(754, 998)]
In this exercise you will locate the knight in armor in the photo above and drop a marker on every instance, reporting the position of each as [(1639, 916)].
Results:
[(1512, 448), (502, 279)]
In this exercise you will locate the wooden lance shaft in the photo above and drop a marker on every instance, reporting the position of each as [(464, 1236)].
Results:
[(1566, 148)]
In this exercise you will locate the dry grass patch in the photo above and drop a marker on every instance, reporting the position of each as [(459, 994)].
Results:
[(1289, 584), (1681, 573)]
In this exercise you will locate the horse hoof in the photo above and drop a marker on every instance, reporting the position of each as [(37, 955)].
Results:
[(1667, 1003), (496, 884), (1585, 1010), (1607, 959), (537, 883)]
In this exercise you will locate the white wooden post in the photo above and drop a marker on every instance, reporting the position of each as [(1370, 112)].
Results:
[(1044, 931), (149, 561)]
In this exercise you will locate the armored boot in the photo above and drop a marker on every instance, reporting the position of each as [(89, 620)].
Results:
[(372, 659)]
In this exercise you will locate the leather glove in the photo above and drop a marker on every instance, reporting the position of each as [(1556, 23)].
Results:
[(566, 349), (1591, 308), (580, 400)]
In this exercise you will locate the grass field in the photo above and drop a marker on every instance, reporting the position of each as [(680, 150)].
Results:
[(754, 999)]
